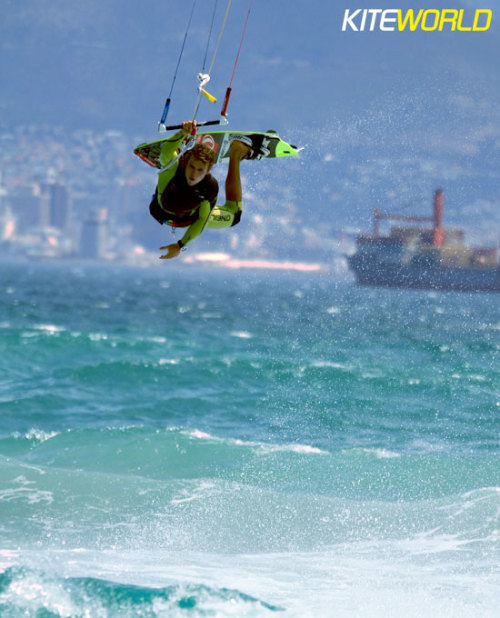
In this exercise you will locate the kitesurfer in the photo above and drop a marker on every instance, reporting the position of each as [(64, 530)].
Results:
[(186, 193)]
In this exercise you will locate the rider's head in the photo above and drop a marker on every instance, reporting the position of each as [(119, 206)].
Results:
[(197, 163)]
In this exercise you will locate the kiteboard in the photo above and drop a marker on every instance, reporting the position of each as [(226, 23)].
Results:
[(219, 142)]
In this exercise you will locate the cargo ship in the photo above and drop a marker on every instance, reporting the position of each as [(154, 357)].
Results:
[(426, 257)]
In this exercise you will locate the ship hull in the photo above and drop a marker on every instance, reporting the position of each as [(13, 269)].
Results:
[(394, 275)]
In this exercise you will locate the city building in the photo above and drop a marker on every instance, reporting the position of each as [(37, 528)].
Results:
[(94, 234)]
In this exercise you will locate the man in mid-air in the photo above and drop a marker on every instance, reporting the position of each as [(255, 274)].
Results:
[(186, 193)]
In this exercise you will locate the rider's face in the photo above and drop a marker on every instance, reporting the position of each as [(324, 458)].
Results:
[(195, 171)]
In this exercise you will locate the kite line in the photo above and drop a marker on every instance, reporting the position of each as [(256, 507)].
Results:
[(203, 77)]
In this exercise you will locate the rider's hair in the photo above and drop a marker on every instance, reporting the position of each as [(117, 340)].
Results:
[(201, 153)]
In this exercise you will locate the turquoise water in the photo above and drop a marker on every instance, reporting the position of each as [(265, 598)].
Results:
[(211, 443)]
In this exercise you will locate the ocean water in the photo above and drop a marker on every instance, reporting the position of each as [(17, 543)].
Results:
[(232, 443)]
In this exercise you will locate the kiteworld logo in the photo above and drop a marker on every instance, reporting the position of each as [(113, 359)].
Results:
[(394, 20)]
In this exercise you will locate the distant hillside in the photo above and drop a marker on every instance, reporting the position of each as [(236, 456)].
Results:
[(383, 116)]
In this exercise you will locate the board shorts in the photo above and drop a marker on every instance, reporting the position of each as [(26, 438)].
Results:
[(227, 215)]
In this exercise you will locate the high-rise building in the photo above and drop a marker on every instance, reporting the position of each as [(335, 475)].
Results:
[(59, 206), (94, 235), (30, 207)]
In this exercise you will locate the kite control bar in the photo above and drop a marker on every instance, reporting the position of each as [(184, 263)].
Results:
[(205, 123)]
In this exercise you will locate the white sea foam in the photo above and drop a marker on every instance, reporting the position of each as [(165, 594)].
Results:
[(196, 491), (476, 377), (26, 494), (49, 328), (427, 543), (36, 434), (382, 453), (31, 592), (332, 365), (98, 336), (333, 310), (241, 334), (304, 448), (258, 447), (8, 557), (196, 433), (159, 339), (374, 579)]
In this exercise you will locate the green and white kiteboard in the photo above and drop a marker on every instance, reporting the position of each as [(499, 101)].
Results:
[(219, 142)]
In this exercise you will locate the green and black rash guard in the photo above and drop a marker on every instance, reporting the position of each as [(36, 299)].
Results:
[(184, 205)]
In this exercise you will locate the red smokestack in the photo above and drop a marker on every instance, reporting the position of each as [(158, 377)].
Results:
[(376, 220), (438, 218)]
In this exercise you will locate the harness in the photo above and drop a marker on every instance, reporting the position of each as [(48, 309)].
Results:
[(158, 213)]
